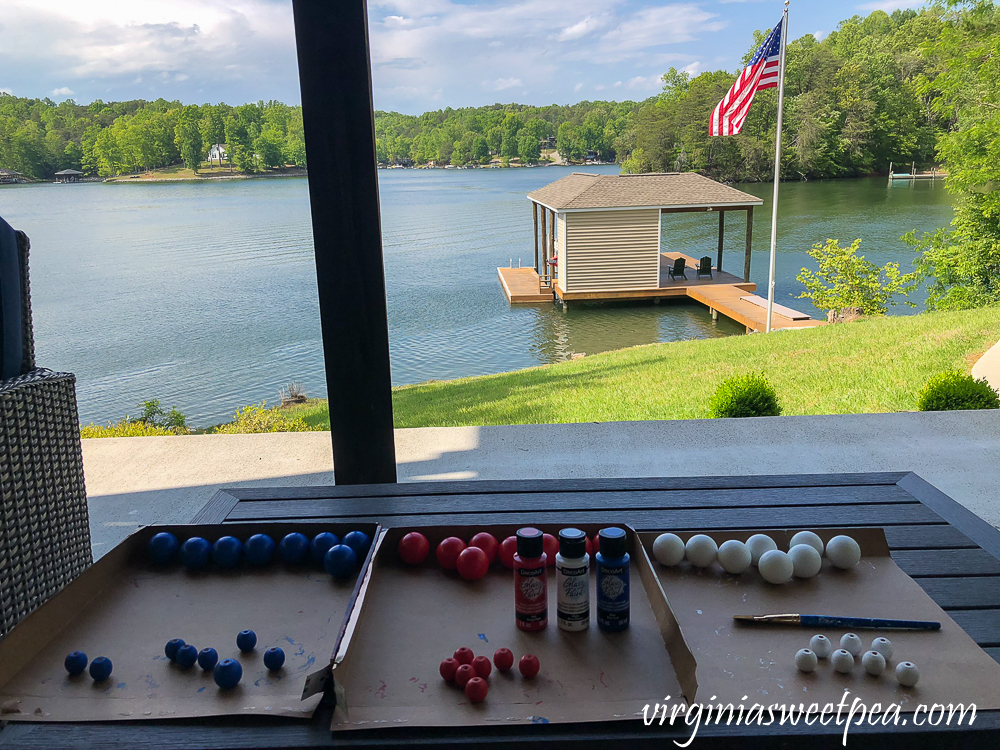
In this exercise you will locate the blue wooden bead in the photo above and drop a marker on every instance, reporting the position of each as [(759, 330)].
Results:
[(187, 655), (357, 541), (228, 673), (208, 658), (246, 641), (226, 552), (340, 561), (294, 548), (274, 658), (171, 648), (194, 553), (320, 544), (163, 547), (259, 549), (76, 662), (100, 668)]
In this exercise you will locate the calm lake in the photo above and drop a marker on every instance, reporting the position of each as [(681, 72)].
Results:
[(204, 295)]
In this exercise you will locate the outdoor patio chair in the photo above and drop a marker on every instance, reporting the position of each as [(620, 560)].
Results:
[(44, 523), (705, 267), (677, 269)]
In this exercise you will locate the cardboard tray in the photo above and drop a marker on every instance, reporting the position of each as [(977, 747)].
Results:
[(755, 663), (406, 620), (125, 608)]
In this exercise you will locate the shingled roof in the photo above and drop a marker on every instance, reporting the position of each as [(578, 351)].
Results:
[(581, 191)]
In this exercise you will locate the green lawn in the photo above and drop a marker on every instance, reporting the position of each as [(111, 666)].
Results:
[(875, 365)]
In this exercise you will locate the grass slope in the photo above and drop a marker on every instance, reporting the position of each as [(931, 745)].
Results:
[(874, 365)]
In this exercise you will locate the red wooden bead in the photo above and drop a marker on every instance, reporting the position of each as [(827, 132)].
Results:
[(529, 665), (482, 666), (463, 674), (503, 659), (464, 655), (448, 552), (487, 543), (448, 668), (476, 690), (473, 564)]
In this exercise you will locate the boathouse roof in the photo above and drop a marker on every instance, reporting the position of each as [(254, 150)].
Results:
[(582, 191), (68, 172)]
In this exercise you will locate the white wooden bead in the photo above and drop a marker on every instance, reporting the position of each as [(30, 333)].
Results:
[(806, 561), (873, 662), (668, 549), (734, 557), (806, 660), (821, 646), (843, 552), (852, 644), (701, 550), (758, 545), (775, 567), (842, 661), (907, 673), (807, 537), (883, 646)]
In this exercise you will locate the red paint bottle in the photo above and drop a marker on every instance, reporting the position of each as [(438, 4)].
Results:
[(531, 600)]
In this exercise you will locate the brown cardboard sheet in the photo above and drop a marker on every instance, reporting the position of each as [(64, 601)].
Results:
[(126, 609), (408, 620), (757, 661)]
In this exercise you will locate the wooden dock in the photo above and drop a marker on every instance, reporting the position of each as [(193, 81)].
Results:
[(723, 294)]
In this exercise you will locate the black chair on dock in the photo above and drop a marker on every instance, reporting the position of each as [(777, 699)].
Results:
[(677, 270), (705, 267)]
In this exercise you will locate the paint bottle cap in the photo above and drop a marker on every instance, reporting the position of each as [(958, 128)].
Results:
[(572, 543), (613, 542), (529, 543)]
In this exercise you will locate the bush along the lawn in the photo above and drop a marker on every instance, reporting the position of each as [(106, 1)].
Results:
[(747, 395), (954, 390)]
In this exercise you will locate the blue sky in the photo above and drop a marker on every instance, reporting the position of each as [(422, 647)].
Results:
[(427, 54)]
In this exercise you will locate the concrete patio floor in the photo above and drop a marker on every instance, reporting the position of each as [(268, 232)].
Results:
[(136, 481)]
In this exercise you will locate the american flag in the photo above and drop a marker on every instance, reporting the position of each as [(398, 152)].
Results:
[(761, 73)]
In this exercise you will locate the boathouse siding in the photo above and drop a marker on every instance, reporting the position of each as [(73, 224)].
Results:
[(609, 250)]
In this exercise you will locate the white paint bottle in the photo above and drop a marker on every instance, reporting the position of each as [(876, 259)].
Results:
[(573, 581)]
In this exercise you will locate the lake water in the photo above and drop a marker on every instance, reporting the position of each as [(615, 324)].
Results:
[(203, 295)]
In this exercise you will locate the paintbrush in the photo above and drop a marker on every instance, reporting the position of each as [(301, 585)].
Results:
[(833, 621)]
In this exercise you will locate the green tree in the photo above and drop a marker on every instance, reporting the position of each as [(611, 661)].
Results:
[(295, 140), (187, 135), (529, 148), (846, 279), (269, 147)]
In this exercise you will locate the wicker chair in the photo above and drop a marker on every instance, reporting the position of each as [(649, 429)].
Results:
[(44, 524)]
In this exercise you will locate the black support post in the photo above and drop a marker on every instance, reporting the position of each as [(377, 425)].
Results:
[(722, 234), (534, 215), (746, 257), (335, 78)]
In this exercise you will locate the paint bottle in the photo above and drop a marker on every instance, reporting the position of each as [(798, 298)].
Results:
[(531, 601), (612, 581), (573, 581)]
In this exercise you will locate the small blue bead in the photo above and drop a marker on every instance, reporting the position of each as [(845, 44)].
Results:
[(195, 552), (163, 547), (187, 655), (357, 541), (340, 561), (208, 658), (246, 641), (294, 548), (320, 544), (76, 662), (100, 668), (274, 658), (228, 673), (259, 549), (171, 648), (226, 552)]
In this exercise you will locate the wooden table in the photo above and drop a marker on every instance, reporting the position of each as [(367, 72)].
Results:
[(950, 552)]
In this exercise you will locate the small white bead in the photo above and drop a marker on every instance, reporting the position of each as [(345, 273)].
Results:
[(758, 544), (907, 673), (842, 661), (775, 567), (843, 552), (805, 660), (701, 550), (873, 662), (734, 557), (668, 549), (852, 644), (883, 646), (806, 561), (821, 646), (807, 537)]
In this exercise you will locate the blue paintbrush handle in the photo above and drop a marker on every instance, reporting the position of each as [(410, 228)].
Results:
[(830, 621)]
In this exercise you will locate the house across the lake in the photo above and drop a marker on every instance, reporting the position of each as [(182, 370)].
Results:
[(217, 152), (598, 237), (68, 175)]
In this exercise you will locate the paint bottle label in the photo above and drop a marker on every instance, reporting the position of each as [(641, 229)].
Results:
[(613, 596), (531, 603), (573, 597)]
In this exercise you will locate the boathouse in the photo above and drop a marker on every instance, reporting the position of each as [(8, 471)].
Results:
[(68, 175)]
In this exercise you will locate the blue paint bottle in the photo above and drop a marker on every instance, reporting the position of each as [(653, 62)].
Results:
[(612, 581)]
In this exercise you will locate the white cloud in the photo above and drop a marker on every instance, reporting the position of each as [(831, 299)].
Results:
[(655, 27), (501, 84), (890, 5), (578, 87), (820, 35), (693, 69), (644, 83), (63, 91), (581, 28)]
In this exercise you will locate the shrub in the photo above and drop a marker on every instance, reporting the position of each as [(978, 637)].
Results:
[(123, 428), (258, 418), (949, 391), (747, 395), (154, 416)]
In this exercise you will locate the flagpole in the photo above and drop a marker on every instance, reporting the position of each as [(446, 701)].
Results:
[(777, 168)]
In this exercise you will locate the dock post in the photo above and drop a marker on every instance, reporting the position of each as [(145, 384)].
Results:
[(715, 314), (746, 257), (534, 214), (722, 234), (545, 253)]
